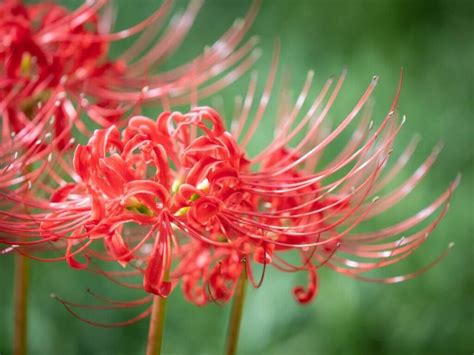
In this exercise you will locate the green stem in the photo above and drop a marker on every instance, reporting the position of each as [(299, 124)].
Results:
[(233, 328), (156, 328), (21, 300), (21, 297)]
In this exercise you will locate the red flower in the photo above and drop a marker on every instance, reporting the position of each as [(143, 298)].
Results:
[(179, 200), (150, 176), (55, 65)]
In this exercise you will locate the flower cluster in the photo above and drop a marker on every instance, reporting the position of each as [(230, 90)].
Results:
[(179, 200), (57, 75)]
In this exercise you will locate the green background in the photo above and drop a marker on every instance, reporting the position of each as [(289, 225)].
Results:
[(433, 314)]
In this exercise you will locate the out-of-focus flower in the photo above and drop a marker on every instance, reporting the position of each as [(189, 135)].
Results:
[(57, 75), (179, 200)]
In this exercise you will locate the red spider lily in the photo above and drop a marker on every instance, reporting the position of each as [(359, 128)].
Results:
[(55, 66), (128, 180), (179, 200)]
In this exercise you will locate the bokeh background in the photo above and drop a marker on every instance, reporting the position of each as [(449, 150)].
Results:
[(433, 314)]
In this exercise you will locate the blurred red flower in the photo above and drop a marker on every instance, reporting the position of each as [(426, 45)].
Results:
[(57, 74)]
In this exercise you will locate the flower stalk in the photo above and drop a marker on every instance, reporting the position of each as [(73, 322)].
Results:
[(157, 324), (21, 301), (156, 329), (233, 328)]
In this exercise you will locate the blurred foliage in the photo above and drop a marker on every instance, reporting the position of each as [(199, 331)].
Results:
[(433, 314)]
